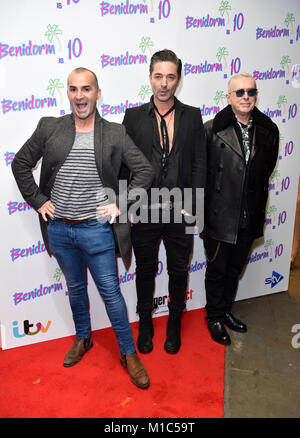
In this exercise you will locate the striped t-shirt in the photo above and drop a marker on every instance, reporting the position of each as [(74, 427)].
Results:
[(78, 189)]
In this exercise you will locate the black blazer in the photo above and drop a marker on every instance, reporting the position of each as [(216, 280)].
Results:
[(188, 132)]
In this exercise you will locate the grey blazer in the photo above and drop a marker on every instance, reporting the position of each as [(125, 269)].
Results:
[(52, 141)]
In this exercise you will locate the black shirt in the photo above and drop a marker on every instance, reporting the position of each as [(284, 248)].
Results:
[(172, 177)]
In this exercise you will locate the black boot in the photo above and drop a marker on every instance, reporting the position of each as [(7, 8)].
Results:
[(146, 332), (173, 341)]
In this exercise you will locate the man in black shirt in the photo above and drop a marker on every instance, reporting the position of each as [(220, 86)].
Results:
[(171, 136), (242, 148)]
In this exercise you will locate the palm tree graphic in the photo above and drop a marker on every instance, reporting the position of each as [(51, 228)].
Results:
[(282, 100), (220, 95), (285, 61), (58, 274), (225, 7), (53, 31), (222, 53), (289, 19), (151, 2), (53, 86), (145, 90), (281, 138), (146, 43), (271, 212), (274, 176), (268, 244)]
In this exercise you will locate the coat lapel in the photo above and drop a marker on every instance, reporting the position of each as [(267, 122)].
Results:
[(229, 137), (179, 109), (98, 144)]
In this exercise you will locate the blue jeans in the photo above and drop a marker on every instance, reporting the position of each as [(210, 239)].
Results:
[(91, 244)]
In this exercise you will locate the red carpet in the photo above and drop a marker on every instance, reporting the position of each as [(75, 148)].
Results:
[(190, 384)]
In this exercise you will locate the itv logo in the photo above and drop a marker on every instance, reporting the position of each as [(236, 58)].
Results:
[(27, 328)]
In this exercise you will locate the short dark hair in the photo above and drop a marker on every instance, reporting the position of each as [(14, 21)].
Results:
[(163, 56)]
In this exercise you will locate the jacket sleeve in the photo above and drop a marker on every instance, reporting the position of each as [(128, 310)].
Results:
[(139, 167), (124, 171), (137, 164), (22, 167), (199, 159), (274, 152)]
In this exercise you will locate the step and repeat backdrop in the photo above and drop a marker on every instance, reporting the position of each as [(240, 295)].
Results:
[(42, 42)]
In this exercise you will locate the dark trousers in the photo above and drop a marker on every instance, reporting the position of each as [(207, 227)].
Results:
[(145, 241), (225, 264)]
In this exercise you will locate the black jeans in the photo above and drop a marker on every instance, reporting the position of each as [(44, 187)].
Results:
[(225, 264), (145, 241)]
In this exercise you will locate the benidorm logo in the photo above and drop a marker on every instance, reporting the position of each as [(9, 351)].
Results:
[(129, 58), (274, 280), (208, 21), (107, 109), (274, 73), (16, 253), (30, 103), (27, 328), (32, 49), (37, 292), (26, 49), (278, 32), (127, 8)]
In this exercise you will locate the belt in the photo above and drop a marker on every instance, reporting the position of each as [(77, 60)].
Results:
[(160, 206), (72, 221)]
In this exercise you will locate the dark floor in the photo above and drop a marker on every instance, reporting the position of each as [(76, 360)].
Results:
[(262, 375)]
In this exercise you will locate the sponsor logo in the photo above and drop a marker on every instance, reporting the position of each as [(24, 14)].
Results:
[(27, 328), (274, 280), (160, 303)]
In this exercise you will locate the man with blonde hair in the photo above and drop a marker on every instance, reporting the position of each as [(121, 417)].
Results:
[(242, 149)]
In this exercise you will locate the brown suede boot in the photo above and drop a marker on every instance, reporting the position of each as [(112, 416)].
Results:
[(77, 351), (136, 369)]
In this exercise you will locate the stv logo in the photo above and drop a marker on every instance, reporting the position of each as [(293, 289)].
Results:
[(274, 280)]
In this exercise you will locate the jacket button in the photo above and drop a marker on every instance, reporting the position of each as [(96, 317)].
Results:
[(222, 145)]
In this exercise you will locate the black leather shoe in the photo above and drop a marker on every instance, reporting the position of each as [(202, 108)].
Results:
[(234, 324), (219, 333)]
